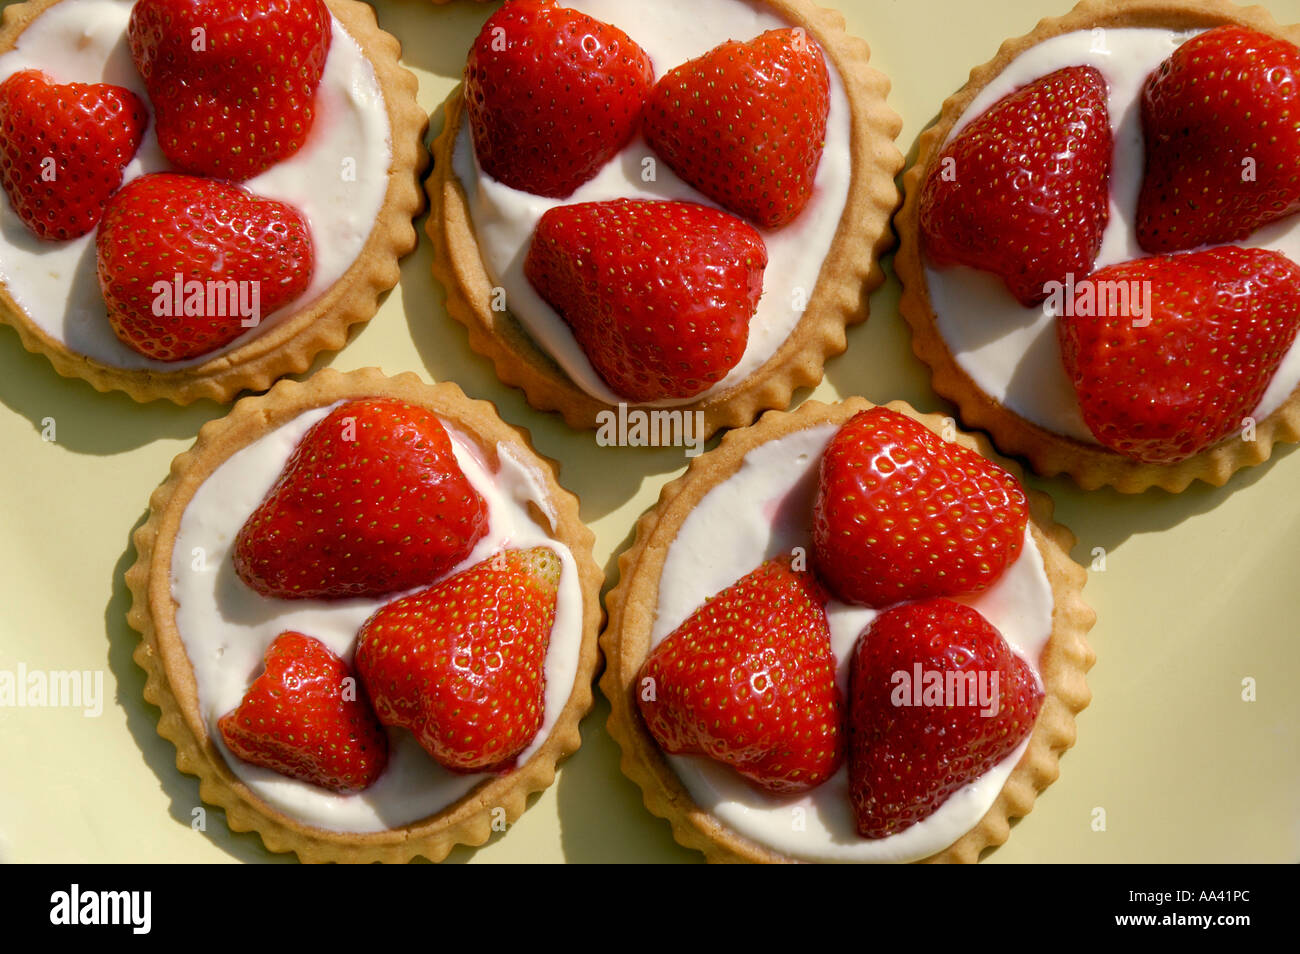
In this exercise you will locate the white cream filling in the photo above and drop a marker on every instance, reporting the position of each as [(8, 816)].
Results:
[(338, 179), (504, 218), (226, 627), (765, 510), (1011, 352)]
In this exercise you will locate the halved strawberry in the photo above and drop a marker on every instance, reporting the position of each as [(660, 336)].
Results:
[(462, 664), (63, 150), (938, 698), (749, 680), (552, 95), (306, 717), (1222, 141), (902, 514), (1164, 385), (187, 265), (1023, 190), (746, 123), (372, 501), (232, 82), (658, 294)]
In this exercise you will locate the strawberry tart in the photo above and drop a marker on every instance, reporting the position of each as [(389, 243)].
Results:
[(847, 634), (629, 213), (369, 617), (200, 196), (1100, 250)]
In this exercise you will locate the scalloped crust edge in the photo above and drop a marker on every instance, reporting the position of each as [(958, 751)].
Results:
[(1048, 453), (849, 274), (293, 343), (1064, 664), (170, 681)]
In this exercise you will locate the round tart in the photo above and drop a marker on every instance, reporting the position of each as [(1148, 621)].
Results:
[(354, 181), (752, 499), (820, 266), (1000, 360), (206, 630)]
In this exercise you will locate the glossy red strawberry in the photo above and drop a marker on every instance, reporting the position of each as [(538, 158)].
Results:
[(372, 501), (1185, 372), (1023, 190), (462, 664), (902, 514), (186, 265), (746, 123), (937, 699), (306, 717), (552, 95), (63, 150), (658, 294), (1222, 141), (749, 680), (232, 82)]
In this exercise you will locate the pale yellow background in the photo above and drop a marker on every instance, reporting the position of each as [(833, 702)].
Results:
[(1200, 590)]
